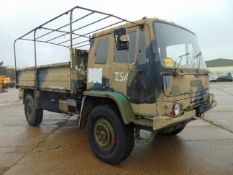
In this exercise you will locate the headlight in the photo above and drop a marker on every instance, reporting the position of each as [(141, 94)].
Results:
[(176, 109)]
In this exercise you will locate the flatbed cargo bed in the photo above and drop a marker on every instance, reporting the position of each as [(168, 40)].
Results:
[(53, 77)]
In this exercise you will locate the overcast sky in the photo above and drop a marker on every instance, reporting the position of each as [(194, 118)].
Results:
[(211, 20)]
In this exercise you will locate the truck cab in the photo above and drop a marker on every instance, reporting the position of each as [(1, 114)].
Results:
[(162, 71)]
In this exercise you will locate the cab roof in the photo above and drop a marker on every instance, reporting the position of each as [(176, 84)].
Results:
[(142, 21)]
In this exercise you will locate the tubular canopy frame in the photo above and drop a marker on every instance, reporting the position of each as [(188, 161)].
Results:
[(59, 35)]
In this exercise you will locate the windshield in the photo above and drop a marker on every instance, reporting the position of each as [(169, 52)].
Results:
[(178, 45)]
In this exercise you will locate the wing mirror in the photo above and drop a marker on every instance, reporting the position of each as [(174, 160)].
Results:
[(121, 39)]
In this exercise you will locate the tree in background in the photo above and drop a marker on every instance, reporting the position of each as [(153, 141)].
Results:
[(5, 70)]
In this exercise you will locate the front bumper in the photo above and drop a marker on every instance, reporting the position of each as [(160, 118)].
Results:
[(163, 121), (160, 122)]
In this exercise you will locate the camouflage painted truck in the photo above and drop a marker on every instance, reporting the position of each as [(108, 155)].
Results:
[(123, 77)]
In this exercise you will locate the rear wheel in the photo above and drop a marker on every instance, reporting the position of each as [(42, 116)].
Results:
[(34, 116), (110, 140), (174, 130)]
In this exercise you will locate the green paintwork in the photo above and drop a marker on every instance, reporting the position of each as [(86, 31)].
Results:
[(206, 98), (144, 122), (121, 101)]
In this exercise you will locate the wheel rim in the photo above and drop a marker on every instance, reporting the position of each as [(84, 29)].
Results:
[(29, 111), (104, 134)]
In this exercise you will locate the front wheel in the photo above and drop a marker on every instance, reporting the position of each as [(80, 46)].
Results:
[(110, 140), (34, 116)]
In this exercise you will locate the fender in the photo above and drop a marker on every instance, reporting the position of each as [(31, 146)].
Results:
[(121, 101)]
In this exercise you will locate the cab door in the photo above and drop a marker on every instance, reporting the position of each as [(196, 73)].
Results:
[(122, 62), (98, 64), (141, 86)]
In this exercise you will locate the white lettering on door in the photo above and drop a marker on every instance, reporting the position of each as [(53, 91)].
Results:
[(121, 76)]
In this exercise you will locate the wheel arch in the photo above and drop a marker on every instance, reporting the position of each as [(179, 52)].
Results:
[(116, 100)]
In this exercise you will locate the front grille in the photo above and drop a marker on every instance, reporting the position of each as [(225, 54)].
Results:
[(197, 101)]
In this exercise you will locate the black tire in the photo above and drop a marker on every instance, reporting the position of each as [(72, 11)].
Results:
[(119, 137), (34, 116), (172, 131)]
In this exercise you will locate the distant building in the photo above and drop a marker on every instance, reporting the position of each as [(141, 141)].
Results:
[(220, 66)]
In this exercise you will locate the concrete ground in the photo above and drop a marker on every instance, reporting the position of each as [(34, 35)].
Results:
[(58, 147)]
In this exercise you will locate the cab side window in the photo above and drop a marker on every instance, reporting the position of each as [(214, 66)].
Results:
[(132, 46), (102, 51), (120, 56), (142, 47)]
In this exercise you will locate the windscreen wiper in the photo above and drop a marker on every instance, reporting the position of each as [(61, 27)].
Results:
[(180, 59), (195, 57)]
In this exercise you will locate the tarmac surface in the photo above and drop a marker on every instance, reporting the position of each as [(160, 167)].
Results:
[(205, 146)]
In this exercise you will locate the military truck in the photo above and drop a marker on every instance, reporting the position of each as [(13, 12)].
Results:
[(125, 80)]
